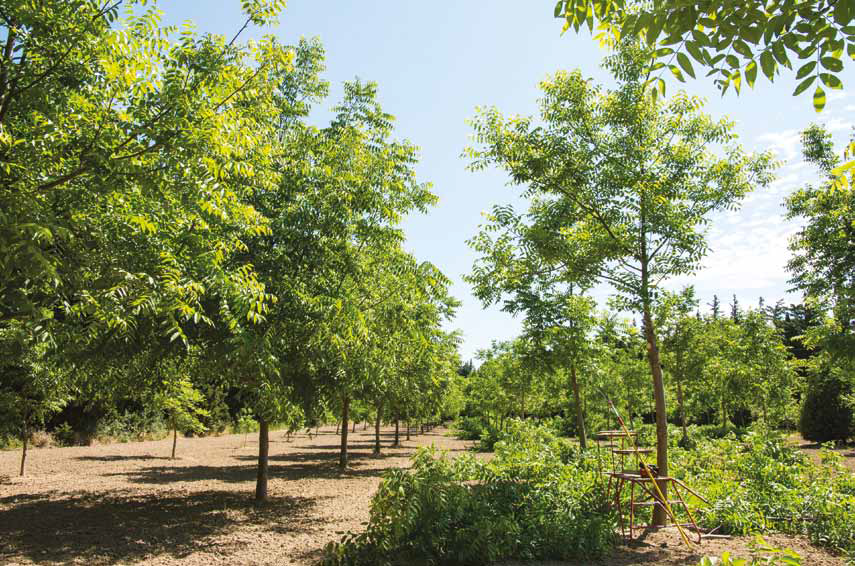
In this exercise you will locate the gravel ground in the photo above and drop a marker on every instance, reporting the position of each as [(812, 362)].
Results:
[(131, 504)]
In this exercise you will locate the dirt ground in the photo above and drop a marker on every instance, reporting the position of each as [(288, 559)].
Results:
[(131, 504), (813, 450)]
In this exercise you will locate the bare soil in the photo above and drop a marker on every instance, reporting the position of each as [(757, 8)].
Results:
[(131, 504), (813, 450)]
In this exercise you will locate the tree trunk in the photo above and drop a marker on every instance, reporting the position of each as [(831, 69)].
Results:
[(377, 429), (682, 410), (337, 427), (174, 437), (659, 515), (25, 437), (397, 433), (580, 419), (263, 446), (408, 428), (353, 427), (345, 408)]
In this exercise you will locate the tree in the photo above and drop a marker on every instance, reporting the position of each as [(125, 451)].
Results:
[(181, 401), (679, 332), (621, 187), (732, 40), (823, 262)]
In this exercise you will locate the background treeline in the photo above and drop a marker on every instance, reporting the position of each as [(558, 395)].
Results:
[(725, 369)]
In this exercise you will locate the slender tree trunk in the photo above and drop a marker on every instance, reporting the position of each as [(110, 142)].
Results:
[(397, 432), (580, 419), (408, 428), (377, 429), (337, 427), (25, 437), (345, 409), (682, 410), (263, 451), (659, 515), (174, 437), (353, 427)]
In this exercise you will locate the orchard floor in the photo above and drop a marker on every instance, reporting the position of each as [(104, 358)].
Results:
[(131, 504)]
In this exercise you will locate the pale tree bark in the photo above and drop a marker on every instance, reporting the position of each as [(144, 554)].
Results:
[(659, 515)]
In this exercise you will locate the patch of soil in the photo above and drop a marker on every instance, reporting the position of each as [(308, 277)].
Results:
[(666, 548), (813, 450), (129, 503)]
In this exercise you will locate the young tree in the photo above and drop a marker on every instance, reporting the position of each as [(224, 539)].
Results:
[(621, 187)]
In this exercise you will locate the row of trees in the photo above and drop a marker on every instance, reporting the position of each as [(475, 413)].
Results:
[(719, 370), (168, 210)]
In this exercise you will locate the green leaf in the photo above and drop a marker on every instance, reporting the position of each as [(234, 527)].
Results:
[(831, 81), (832, 64), (696, 53), (677, 73), (805, 70), (686, 64), (653, 30), (803, 86), (742, 48), (818, 99), (751, 73), (559, 9), (850, 49), (768, 64)]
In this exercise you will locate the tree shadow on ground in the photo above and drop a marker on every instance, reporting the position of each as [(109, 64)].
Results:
[(298, 466), (110, 527), (118, 458)]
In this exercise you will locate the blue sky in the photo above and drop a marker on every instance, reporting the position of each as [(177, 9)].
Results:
[(436, 61)]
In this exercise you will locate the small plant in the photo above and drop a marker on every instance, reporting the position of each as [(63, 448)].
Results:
[(762, 554), (533, 501)]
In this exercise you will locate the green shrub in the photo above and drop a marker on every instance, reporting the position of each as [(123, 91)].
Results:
[(762, 484), (477, 428), (64, 435), (761, 553), (534, 501), (825, 414)]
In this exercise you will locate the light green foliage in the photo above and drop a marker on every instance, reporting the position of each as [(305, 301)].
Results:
[(620, 185), (823, 265), (182, 401), (762, 553), (764, 485), (532, 501), (731, 40)]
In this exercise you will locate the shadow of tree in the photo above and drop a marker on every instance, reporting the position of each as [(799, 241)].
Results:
[(299, 465), (119, 458), (110, 527)]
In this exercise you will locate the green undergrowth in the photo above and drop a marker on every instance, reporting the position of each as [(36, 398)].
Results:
[(540, 498), (536, 499), (760, 484)]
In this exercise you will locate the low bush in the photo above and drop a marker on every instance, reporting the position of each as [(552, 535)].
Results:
[(761, 484), (476, 428), (761, 553), (825, 413), (536, 500)]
